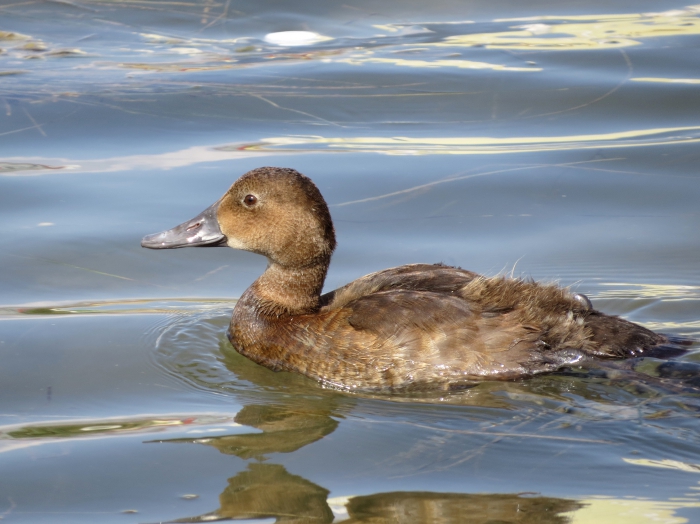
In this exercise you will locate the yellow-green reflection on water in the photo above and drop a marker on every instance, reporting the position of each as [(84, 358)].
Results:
[(111, 426), (19, 166), (666, 464), (535, 33), (7, 36), (474, 145), (460, 64), (265, 489), (453, 145), (583, 32), (655, 291), (119, 307), (178, 67), (158, 92), (668, 80), (629, 511), (249, 493)]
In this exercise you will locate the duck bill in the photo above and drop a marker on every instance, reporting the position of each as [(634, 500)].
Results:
[(202, 231)]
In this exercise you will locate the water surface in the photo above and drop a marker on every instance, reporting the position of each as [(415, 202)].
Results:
[(547, 140)]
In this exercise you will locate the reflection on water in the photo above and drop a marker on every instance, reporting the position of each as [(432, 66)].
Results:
[(269, 491), (559, 33), (397, 145), (460, 64), (562, 136), (284, 414), (122, 307), (476, 145), (584, 32), (670, 464), (668, 80), (451, 508), (283, 430), (654, 291), (433, 45), (106, 427)]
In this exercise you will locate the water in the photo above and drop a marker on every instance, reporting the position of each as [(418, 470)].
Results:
[(548, 140)]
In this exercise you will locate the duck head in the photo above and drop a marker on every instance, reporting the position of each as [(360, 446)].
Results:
[(275, 212)]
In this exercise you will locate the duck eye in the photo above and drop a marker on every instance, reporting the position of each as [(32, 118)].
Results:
[(250, 200)]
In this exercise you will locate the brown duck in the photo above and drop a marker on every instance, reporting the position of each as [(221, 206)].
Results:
[(414, 326)]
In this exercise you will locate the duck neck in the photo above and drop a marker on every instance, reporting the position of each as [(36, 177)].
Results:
[(283, 290)]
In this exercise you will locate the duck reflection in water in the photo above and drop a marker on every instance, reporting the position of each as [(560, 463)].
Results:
[(266, 491), (284, 429), (411, 327)]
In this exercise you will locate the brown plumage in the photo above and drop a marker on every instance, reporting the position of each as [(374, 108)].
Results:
[(414, 326)]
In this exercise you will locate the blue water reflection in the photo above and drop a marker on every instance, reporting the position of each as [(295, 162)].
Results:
[(548, 140)]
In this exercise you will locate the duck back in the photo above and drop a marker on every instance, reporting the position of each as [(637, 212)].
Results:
[(434, 326)]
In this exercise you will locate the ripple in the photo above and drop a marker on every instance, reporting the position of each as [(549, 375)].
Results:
[(188, 343), (565, 33), (22, 436), (465, 145), (655, 291), (9, 168), (118, 307), (192, 347), (189, 347)]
